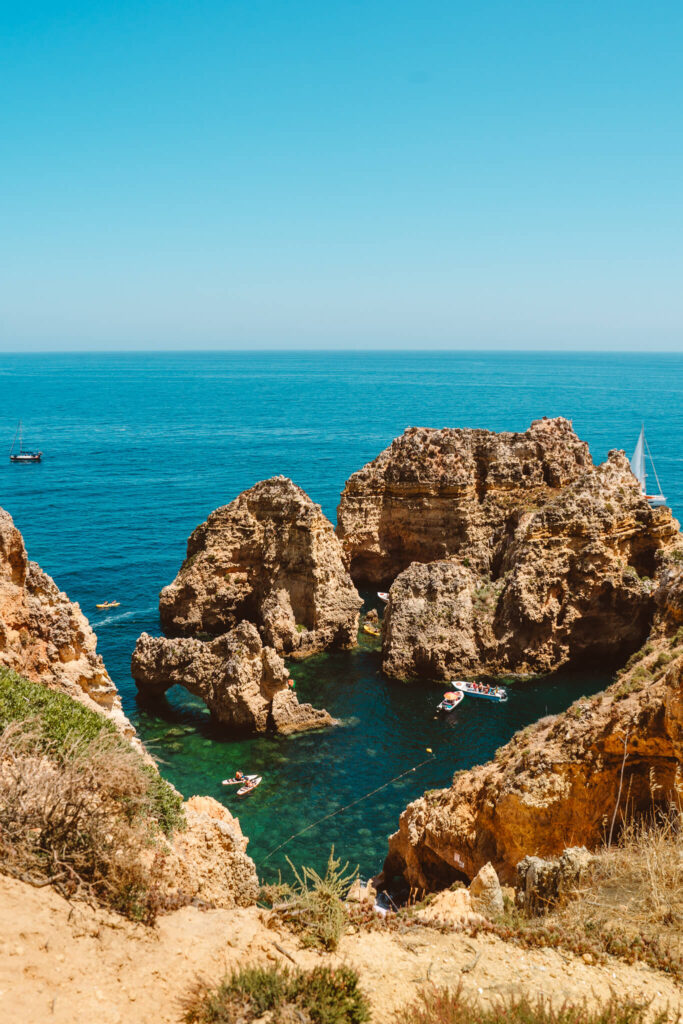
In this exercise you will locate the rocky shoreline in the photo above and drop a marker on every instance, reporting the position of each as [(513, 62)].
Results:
[(502, 553)]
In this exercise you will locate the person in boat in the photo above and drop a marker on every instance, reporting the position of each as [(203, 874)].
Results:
[(239, 776)]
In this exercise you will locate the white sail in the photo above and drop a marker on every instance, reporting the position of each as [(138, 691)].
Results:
[(638, 460)]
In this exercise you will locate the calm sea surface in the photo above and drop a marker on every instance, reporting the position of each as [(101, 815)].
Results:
[(140, 448)]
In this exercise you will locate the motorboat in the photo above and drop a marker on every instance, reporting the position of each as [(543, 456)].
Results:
[(496, 693), (450, 701), (383, 596)]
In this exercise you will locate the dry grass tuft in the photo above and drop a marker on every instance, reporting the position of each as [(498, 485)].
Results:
[(629, 904), (81, 817), (451, 1006)]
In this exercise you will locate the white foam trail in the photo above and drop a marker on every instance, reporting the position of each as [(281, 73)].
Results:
[(107, 621)]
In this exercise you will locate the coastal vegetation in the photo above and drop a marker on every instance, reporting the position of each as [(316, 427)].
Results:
[(81, 809), (628, 903), (324, 995), (451, 1006), (313, 905)]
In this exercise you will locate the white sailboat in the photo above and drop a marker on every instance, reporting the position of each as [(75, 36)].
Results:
[(638, 469)]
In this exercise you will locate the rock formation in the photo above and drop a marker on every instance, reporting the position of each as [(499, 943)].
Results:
[(574, 580), (272, 558), (436, 493), (45, 637), (244, 684), (558, 783), (208, 861)]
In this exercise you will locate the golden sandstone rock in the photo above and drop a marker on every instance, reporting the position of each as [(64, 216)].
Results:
[(45, 637)]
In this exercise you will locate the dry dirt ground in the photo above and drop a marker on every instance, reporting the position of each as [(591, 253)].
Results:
[(63, 963)]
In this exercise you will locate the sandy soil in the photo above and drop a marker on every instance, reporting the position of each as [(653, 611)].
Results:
[(64, 963)]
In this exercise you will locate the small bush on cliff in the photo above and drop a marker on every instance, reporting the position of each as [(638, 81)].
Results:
[(80, 809), (323, 995), (314, 905), (449, 1006)]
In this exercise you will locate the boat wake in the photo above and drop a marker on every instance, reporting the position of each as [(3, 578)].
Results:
[(108, 620)]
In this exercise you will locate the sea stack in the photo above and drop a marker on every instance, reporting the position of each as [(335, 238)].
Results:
[(263, 579), (272, 558)]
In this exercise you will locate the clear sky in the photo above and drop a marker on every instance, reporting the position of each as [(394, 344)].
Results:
[(252, 173)]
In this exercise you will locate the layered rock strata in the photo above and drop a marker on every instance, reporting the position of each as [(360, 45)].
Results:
[(45, 637), (436, 493), (272, 558), (244, 684), (558, 783), (575, 580)]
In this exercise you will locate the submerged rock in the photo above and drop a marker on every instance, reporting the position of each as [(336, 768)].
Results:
[(45, 637), (244, 684), (272, 558)]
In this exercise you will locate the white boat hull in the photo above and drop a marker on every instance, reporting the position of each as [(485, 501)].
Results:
[(496, 694)]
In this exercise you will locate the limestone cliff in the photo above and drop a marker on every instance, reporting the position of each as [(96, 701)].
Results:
[(272, 558), (243, 683), (45, 637), (574, 579), (208, 861), (557, 783), (436, 493)]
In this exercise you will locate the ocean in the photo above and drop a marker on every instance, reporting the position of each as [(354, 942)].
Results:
[(139, 448)]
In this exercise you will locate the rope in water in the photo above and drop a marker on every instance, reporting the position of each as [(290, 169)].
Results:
[(346, 807)]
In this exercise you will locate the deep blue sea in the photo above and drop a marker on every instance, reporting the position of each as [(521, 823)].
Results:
[(140, 448)]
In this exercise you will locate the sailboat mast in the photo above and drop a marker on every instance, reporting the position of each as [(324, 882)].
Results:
[(652, 463)]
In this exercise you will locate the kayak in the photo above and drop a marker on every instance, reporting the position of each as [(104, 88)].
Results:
[(250, 786), (108, 604), (450, 701), (383, 596), (239, 782), (371, 630), (496, 693)]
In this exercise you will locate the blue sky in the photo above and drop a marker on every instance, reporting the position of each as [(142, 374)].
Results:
[(262, 174)]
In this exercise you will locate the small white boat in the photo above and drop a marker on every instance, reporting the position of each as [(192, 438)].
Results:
[(450, 701), (638, 470), (250, 786), (383, 596), (239, 782), (496, 693)]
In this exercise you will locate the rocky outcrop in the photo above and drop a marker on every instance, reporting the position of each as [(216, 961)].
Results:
[(244, 684), (45, 637), (272, 558), (542, 884), (573, 580), (208, 860), (433, 494), (558, 783)]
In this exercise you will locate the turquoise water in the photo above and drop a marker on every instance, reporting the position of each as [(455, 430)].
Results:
[(140, 448)]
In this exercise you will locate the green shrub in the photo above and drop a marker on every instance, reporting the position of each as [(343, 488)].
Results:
[(314, 905), (448, 1006), (323, 995), (81, 808)]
